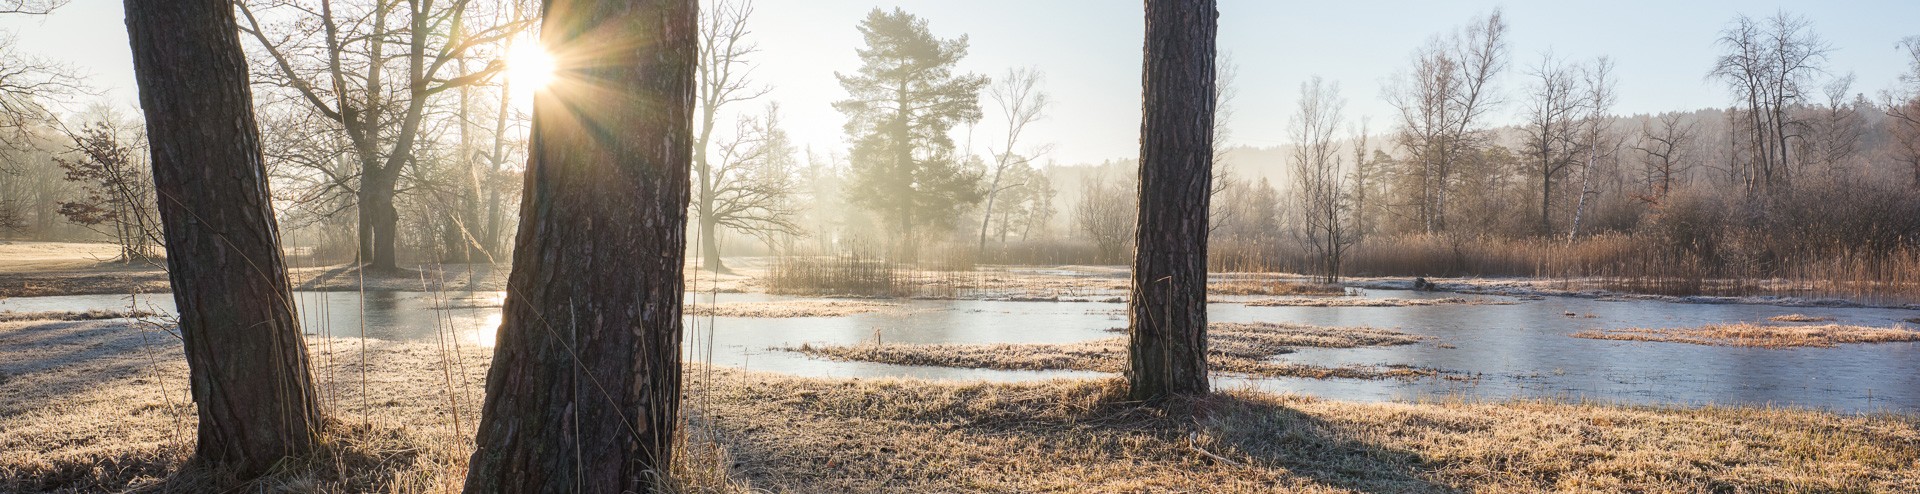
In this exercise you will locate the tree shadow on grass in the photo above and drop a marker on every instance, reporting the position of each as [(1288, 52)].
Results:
[(809, 435), (46, 360), (1271, 434)]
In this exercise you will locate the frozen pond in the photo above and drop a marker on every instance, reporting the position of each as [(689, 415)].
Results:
[(1520, 350)]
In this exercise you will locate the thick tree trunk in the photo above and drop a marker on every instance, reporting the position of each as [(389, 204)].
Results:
[(1167, 314), (246, 358), (710, 244), (380, 222), (585, 385), (1546, 202)]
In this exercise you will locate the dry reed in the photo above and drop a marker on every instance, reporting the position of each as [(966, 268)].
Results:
[(1231, 347), (1754, 335), (1376, 302)]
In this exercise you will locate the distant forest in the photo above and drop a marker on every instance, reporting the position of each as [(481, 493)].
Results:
[(1499, 161)]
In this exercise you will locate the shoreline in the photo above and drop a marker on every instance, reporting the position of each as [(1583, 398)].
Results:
[(100, 405)]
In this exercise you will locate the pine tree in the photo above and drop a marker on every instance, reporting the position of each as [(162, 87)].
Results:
[(900, 106)]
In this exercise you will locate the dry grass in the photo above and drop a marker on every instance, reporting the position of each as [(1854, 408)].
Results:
[(788, 308), (96, 407), (1755, 335), (102, 406), (1376, 302), (1799, 318), (1232, 347), (1274, 287), (89, 315), (55, 256), (816, 435)]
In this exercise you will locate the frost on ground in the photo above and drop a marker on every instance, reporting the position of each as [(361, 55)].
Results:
[(1273, 287), (89, 315), (1799, 318), (1231, 347), (1756, 335), (788, 308), (100, 406), (1375, 302)]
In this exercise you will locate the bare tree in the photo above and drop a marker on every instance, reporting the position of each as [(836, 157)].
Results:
[(1320, 185), (1366, 171), (30, 7), (1552, 113), (1835, 131), (752, 187), (1443, 104), (1107, 214), (337, 61), (584, 392), (116, 192), (1597, 85), (725, 67), (27, 85), (246, 358), (1022, 102), (1903, 107), (1026, 206), (1664, 143), (1167, 314), (1768, 64)]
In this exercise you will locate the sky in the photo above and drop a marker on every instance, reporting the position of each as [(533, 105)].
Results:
[(1090, 52)]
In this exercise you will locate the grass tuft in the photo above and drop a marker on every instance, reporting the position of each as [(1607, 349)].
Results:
[(1755, 335), (1799, 318), (1231, 347), (1376, 302)]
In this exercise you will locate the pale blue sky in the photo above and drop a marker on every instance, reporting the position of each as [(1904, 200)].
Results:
[(1090, 50)]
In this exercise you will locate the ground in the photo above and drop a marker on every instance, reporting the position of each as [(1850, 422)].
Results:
[(88, 406)]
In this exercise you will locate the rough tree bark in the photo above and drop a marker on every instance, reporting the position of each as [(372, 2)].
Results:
[(1167, 315), (246, 358), (585, 384)]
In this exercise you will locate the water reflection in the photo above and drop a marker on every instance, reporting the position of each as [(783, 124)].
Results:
[(1520, 350)]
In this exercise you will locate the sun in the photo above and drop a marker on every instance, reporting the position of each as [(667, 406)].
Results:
[(529, 66)]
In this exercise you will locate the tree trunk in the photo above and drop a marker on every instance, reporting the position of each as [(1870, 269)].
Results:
[(1546, 201), (993, 190), (380, 222), (493, 238), (710, 244), (1167, 314), (246, 358), (585, 385)]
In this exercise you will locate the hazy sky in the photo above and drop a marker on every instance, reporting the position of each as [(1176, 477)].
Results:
[(1090, 51)]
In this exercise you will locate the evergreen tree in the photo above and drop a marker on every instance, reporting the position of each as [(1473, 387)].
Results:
[(900, 106)]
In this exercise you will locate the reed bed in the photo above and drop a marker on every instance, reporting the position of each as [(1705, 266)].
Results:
[(1756, 335), (1274, 287), (1799, 318), (1622, 262), (1231, 347), (1376, 302), (789, 308), (87, 315)]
